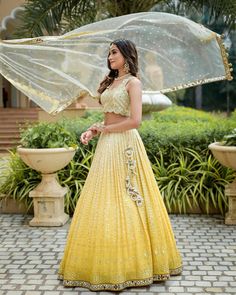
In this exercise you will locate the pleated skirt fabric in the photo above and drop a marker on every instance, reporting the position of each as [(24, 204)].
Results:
[(120, 234)]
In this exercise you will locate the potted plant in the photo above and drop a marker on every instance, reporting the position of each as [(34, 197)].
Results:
[(225, 153), (47, 148)]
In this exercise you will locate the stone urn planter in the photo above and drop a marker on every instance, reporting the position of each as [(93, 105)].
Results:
[(226, 155), (154, 101), (48, 196)]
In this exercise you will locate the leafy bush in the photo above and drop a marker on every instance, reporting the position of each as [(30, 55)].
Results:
[(176, 114), (183, 127), (18, 180), (230, 139), (176, 141), (188, 178), (47, 135)]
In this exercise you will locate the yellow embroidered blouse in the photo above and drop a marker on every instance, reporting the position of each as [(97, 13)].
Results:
[(116, 100)]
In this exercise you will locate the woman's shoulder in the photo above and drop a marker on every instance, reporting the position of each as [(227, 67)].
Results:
[(132, 80)]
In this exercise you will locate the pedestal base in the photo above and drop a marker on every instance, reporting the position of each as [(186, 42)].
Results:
[(49, 221), (230, 191), (48, 201), (229, 220)]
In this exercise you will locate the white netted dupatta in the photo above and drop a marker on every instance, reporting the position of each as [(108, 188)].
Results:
[(174, 53)]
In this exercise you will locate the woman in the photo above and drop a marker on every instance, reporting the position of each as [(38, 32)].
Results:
[(120, 235)]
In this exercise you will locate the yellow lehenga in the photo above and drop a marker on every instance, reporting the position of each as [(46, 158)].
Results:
[(120, 234)]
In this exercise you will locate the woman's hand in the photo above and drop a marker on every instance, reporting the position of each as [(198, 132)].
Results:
[(86, 136), (94, 130)]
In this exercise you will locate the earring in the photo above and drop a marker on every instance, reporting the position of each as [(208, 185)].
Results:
[(126, 67)]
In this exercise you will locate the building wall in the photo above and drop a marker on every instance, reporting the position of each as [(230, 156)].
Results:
[(6, 6)]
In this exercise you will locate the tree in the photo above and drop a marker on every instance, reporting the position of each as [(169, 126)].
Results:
[(50, 17)]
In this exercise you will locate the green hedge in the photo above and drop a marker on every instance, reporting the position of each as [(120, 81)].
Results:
[(184, 127), (176, 141)]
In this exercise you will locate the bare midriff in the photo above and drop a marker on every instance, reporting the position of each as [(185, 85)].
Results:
[(112, 118)]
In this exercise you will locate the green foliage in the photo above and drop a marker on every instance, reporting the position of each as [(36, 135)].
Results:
[(47, 135), (176, 141), (183, 127), (18, 180), (206, 12), (50, 17), (188, 178), (230, 139), (179, 114)]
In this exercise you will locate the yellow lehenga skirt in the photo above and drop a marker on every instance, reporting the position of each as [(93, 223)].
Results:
[(120, 234)]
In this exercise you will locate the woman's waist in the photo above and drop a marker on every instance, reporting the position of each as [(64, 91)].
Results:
[(112, 118)]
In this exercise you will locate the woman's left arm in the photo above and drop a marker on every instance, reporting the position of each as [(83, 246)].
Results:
[(134, 88)]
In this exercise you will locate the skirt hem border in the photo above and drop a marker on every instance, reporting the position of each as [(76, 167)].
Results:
[(120, 286)]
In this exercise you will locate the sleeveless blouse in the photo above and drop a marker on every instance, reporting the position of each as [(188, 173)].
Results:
[(116, 100)]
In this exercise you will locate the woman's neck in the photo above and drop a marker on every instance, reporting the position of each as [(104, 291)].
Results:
[(122, 77), (121, 73)]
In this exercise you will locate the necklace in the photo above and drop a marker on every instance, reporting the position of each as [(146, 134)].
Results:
[(121, 77)]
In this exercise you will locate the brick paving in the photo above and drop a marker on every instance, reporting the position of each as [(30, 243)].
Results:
[(30, 256)]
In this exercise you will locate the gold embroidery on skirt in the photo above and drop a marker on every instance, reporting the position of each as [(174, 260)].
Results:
[(120, 286), (131, 190)]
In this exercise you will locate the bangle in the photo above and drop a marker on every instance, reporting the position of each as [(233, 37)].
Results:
[(98, 125)]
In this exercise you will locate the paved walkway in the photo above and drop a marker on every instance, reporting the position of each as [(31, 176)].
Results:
[(29, 258)]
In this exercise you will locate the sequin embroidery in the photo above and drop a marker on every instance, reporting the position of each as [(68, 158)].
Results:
[(121, 286), (131, 165), (117, 100)]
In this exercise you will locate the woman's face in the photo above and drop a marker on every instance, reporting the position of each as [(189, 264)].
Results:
[(115, 58)]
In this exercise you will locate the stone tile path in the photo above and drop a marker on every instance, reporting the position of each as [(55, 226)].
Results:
[(29, 258)]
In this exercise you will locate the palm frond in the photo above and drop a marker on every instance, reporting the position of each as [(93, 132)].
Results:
[(52, 17), (215, 9), (121, 7)]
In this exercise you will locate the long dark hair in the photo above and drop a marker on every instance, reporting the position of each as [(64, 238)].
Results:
[(129, 52)]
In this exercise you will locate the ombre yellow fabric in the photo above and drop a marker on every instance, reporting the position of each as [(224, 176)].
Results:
[(120, 235)]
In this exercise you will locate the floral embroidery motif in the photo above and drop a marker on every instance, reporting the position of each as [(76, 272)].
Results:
[(131, 190)]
